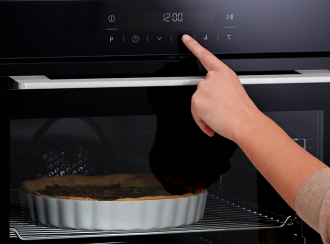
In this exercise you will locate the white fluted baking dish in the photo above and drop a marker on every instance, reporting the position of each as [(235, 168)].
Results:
[(114, 215)]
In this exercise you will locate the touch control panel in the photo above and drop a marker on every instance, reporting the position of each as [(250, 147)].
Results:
[(144, 27)]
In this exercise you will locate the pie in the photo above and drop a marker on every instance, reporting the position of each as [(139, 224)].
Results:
[(116, 187)]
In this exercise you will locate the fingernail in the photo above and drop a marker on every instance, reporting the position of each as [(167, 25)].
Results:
[(186, 37)]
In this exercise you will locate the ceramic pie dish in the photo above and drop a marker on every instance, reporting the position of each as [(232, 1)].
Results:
[(121, 214)]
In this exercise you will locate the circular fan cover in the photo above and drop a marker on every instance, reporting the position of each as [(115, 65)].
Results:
[(69, 158)]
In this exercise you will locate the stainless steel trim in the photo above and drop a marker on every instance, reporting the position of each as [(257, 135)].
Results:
[(43, 82), (220, 215), (303, 76)]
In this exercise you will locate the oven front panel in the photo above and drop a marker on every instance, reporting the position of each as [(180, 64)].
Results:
[(149, 129), (130, 28)]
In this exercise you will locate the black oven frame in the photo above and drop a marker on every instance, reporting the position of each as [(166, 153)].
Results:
[(82, 102)]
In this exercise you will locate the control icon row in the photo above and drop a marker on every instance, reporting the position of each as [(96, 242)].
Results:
[(153, 38)]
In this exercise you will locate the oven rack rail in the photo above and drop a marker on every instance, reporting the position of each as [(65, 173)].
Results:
[(220, 215)]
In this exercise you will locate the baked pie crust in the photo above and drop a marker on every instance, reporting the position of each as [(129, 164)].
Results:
[(125, 180)]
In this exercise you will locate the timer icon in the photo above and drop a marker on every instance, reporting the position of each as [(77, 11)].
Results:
[(135, 38)]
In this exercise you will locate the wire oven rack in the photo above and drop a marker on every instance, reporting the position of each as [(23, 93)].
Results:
[(220, 215)]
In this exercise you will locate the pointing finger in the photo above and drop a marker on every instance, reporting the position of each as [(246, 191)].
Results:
[(209, 61)]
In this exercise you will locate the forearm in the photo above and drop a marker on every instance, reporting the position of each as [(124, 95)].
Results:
[(220, 104), (277, 157)]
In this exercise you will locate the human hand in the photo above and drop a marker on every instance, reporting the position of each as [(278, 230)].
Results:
[(220, 103)]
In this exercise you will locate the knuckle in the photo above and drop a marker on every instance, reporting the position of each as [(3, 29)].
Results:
[(206, 54), (211, 74), (195, 107), (194, 101), (229, 71), (200, 85)]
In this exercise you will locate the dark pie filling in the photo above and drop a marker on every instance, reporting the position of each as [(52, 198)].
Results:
[(104, 193)]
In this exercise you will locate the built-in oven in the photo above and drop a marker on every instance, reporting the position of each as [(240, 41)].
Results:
[(104, 87)]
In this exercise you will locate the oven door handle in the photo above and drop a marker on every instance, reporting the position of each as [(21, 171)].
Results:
[(43, 82)]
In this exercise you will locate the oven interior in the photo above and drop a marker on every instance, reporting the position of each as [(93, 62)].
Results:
[(241, 206)]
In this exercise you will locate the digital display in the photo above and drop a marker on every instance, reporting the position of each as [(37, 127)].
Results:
[(171, 21), (173, 17)]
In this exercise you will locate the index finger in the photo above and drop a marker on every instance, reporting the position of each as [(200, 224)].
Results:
[(209, 61)]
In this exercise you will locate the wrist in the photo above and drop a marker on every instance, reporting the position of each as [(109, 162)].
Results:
[(251, 126)]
